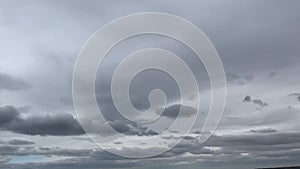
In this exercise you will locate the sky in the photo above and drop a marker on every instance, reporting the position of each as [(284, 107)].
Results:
[(257, 41)]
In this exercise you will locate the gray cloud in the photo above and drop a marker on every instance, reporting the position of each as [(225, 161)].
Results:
[(237, 79), (59, 124), (20, 142), (266, 130), (172, 111), (56, 124), (258, 102), (23, 150), (4, 159), (131, 128), (8, 82), (8, 150), (7, 114), (297, 95), (255, 140), (272, 74), (247, 99), (232, 77)]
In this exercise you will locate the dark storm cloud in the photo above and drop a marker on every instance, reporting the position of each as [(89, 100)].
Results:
[(59, 124), (7, 115), (56, 124), (8, 82)]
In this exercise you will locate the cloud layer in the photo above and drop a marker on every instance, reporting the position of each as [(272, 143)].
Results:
[(54, 124)]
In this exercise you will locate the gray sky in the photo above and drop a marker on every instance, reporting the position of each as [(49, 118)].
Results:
[(258, 42)]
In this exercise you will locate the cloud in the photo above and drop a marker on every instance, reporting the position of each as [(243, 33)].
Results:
[(20, 142), (172, 111), (131, 128), (272, 74), (7, 114), (4, 159), (297, 95), (267, 139), (255, 101), (247, 99), (55, 124), (260, 103), (8, 150), (23, 150), (231, 77), (8, 82), (62, 124), (266, 130)]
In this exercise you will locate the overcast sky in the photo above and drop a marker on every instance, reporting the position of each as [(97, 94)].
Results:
[(258, 43)]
